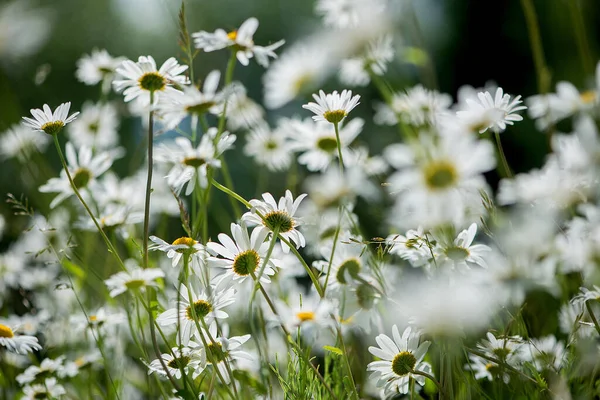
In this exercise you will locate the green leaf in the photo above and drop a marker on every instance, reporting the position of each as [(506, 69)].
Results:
[(334, 350), (74, 269)]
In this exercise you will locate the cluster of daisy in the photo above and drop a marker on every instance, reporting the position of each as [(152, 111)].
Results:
[(407, 249)]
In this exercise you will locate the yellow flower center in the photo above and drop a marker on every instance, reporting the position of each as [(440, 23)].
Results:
[(52, 128), (246, 262), (152, 81), (232, 35), (440, 175), (6, 332), (588, 96), (328, 144), (201, 309), (334, 116), (403, 363), (280, 220), (184, 240), (304, 316), (82, 177)]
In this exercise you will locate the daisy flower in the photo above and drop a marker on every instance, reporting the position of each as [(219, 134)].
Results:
[(84, 169), (50, 389), (498, 111), (243, 255), (268, 147), (20, 142), (413, 247), (143, 78), (186, 358), (440, 181), (418, 106), (486, 369), (49, 122), (99, 66), (206, 306), (133, 280), (298, 69), (347, 13), (307, 312), (23, 29), (378, 53), (242, 111), (97, 127), (546, 353), (180, 247), (332, 107), (280, 216), (586, 295), (190, 165), (399, 359), (177, 105), (225, 350), (240, 40), (317, 140), (506, 349), (47, 367), (462, 253), (20, 344)]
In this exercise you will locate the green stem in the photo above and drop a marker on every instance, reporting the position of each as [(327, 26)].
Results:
[(543, 74), (582, 44), (228, 79), (339, 146), (239, 198), (333, 247), (110, 246), (506, 169), (148, 183), (347, 362), (431, 378), (592, 316)]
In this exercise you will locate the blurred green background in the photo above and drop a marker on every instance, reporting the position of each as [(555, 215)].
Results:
[(470, 42)]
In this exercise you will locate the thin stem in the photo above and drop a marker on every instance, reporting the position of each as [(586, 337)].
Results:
[(347, 362), (239, 198), (148, 182), (228, 79), (506, 169), (543, 74), (430, 377), (500, 363), (333, 247), (110, 246), (339, 146), (582, 44), (592, 316)]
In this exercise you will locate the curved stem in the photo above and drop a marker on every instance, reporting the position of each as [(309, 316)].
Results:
[(339, 146), (592, 316), (543, 75), (506, 168), (148, 183), (431, 378), (110, 246)]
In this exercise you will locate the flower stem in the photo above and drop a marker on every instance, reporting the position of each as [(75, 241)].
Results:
[(582, 44), (339, 146), (430, 377), (333, 247), (110, 246), (148, 182), (228, 79), (506, 172), (592, 316), (543, 74)]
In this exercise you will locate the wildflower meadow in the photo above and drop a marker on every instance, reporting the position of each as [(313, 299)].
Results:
[(303, 212)]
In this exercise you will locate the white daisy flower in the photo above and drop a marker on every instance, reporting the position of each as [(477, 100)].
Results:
[(546, 353), (506, 349), (177, 105), (49, 122), (317, 141), (399, 358), (376, 56), (332, 107), (97, 127), (47, 368), (269, 147), (84, 169), (348, 13), (240, 40), (440, 181), (23, 29), (486, 369), (20, 344), (242, 111), (243, 256), (189, 359), (308, 313), (180, 247), (190, 165), (20, 142), (413, 247), (99, 66), (49, 389), (498, 111), (224, 349), (461, 254), (143, 78), (586, 295), (104, 319), (277, 215), (206, 306), (418, 106), (298, 69), (133, 280), (350, 260)]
